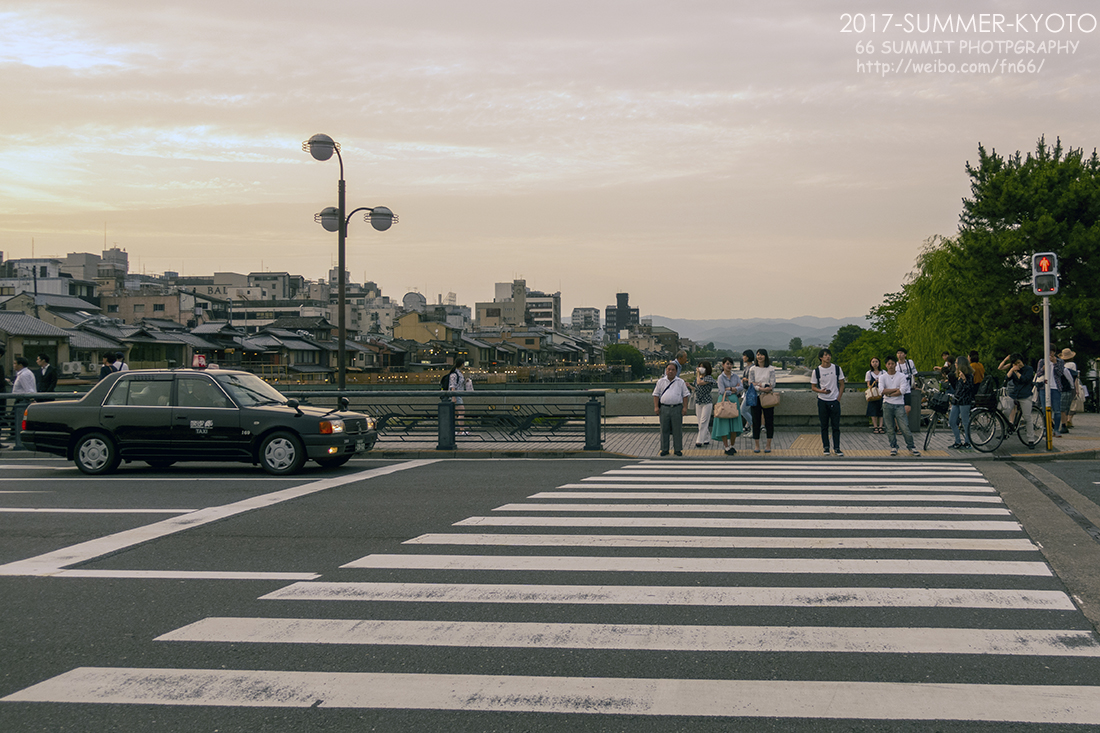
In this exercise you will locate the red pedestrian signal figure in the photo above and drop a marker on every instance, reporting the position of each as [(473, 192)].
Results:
[(1044, 273)]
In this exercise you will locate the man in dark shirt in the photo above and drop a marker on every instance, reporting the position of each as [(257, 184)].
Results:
[(1020, 380), (45, 376)]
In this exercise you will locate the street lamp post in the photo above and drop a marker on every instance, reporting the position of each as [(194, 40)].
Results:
[(333, 219)]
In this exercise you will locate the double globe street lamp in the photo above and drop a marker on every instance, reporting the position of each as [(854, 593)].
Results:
[(333, 219)]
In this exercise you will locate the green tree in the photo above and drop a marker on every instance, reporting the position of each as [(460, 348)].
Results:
[(856, 359), (973, 291), (795, 344), (626, 354), (845, 335)]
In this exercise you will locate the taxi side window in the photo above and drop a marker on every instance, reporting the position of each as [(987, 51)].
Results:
[(140, 393), (198, 392)]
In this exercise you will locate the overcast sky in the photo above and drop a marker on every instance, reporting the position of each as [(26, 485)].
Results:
[(718, 159)]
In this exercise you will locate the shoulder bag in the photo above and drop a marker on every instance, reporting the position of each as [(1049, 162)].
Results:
[(727, 408), (769, 399)]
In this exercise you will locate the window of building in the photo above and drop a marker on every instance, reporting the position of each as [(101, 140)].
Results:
[(139, 307), (112, 308), (158, 307)]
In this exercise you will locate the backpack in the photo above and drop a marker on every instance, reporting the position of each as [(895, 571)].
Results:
[(445, 381), (817, 374), (986, 393)]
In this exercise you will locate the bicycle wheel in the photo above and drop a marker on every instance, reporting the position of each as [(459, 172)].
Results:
[(987, 429), (931, 429), (1038, 423)]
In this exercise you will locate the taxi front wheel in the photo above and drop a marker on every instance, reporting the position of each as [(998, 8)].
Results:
[(282, 453), (96, 454)]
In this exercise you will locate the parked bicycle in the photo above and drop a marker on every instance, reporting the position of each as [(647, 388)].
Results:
[(989, 426), (940, 405)]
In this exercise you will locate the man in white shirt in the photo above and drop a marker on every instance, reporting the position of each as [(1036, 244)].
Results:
[(24, 383), (908, 369), (828, 381), (895, 386), (670, 403)]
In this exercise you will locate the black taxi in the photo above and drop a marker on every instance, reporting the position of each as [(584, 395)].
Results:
[(165, 416)]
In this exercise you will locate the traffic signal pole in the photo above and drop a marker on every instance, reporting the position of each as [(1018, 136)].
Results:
[(1048, 370)]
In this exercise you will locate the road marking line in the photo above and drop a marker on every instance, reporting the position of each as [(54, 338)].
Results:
[(774, 478), (754, 509), (52, 562), (23, 492), (851, 525), (806, 496), (52, 510), (1064, 704), (184, 575), (641, 637), (922, 467), (34, 467), (148, 479), (711, 541), (802, 471), (802, 488), (1047, 600), (794, 565)]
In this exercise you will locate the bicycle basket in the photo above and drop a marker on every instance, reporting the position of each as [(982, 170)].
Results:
[(939, 402)]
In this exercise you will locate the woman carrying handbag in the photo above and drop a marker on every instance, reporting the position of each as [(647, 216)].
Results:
[(727, 411), (762, 379)]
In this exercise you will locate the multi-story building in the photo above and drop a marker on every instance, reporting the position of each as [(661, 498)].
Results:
[(585, 319), (620, 317), (545, 309)]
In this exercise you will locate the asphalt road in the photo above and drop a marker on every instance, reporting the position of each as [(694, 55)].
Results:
[(542, 595)]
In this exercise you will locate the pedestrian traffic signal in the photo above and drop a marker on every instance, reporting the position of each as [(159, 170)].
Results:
[(1044, 273)]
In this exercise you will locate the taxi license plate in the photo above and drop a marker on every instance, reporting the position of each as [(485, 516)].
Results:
[(360, 445)]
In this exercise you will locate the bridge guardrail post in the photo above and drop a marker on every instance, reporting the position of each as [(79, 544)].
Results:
[(593, 440), (446, 439)]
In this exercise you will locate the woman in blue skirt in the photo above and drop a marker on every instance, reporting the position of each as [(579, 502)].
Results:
[(729, 387)]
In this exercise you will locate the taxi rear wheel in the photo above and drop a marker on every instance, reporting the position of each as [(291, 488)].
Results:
[(282, 453), (96, 454)]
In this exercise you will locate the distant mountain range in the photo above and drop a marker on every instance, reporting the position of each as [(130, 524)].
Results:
[(738, 334)]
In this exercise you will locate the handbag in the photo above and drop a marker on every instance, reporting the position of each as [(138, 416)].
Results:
[(769, 399), (873, 393), (727, 409)]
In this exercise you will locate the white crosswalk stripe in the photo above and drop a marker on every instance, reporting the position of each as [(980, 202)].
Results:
[(946, 574)]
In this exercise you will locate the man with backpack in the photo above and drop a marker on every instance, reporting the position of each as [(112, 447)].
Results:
[(828, 381)]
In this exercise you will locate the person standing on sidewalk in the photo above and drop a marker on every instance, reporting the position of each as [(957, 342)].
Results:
[(704, 403), (1069, 396), (729, 387), (828, 381), (762, 378), (976, 367), (24, 383), (1020, 381), (959, 417), (895, 386), (670, 403), (456, 382), (747, 360), (874, 407)]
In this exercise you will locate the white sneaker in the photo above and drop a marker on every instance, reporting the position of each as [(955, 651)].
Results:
[(914, 452)]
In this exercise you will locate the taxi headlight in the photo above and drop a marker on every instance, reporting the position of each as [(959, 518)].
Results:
[(370, 423), (329, 427)]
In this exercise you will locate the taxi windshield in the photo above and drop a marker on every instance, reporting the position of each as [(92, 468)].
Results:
[(249, 390)]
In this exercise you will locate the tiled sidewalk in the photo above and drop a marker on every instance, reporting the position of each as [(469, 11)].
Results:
[(638, 439)]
